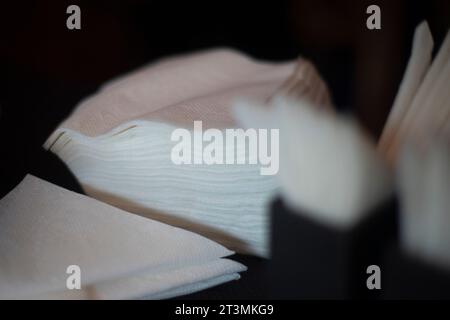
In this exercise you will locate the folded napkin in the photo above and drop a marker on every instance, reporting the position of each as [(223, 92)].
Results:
[(118, 143), (178, 90), (44, 229)]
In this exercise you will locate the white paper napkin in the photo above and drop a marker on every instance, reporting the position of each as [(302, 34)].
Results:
[(45, 228)]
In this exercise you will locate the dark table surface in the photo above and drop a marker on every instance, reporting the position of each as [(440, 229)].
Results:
[(254, 283)]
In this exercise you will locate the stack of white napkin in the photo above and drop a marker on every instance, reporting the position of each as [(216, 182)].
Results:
[(44, 229), (118, 143)]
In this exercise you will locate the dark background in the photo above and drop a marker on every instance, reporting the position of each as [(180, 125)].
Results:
[(45, 69)]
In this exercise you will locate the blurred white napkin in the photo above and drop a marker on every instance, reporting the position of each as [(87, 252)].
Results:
[(329, 167), (423, 178), (45, 228)]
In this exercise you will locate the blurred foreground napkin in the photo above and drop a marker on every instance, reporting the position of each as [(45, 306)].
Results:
[(329, 166)]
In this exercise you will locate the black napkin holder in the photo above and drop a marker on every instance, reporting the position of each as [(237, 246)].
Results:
[(310, 260), (411, 278)]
